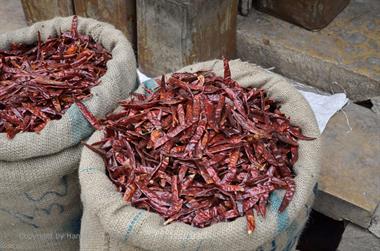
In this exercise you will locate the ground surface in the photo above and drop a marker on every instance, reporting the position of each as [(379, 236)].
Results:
[(347, 51)]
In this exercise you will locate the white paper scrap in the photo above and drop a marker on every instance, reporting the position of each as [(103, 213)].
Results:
[(142, 76), (324, 107)]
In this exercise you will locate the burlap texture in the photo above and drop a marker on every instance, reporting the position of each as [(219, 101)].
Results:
[(40, 206), (118, 81), (110, 224)]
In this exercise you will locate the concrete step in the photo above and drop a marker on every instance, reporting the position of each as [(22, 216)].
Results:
[(375, 223), (355, 238), (349, 182), (350, 176), (344, 55)]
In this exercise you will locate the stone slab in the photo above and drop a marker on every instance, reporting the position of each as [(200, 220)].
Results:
[(376, 104), (346, 52), (358, 239), (349, 181), (350, 177), (375, 223), (11, 15)]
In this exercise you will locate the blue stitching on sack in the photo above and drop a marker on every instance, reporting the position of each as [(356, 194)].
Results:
[(292, 230), (65, 185), (29, 218), (132, 224), (80, 128), (273, 245), (290, 244), (88, 170), (199, 245), (184, 242), (21, 217), (50, 208), (282, 218), (274, 202), (150, 84), (292, 235)]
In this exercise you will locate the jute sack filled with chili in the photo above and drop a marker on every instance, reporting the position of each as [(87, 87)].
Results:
[(179, 186), (40, 207)]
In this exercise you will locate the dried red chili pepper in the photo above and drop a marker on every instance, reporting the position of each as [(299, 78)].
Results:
[(39, 82), (195, 164)]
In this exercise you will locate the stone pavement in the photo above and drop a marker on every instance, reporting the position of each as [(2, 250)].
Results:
[(357, 239), (347, 51)]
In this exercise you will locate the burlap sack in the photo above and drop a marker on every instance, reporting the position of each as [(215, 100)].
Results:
[(109, 224), (40, 207)]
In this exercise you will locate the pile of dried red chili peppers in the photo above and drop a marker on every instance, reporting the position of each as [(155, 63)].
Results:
[(200, 149), (39, 82)]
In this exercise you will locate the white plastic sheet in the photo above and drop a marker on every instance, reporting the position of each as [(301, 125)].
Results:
[(324, 107)]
